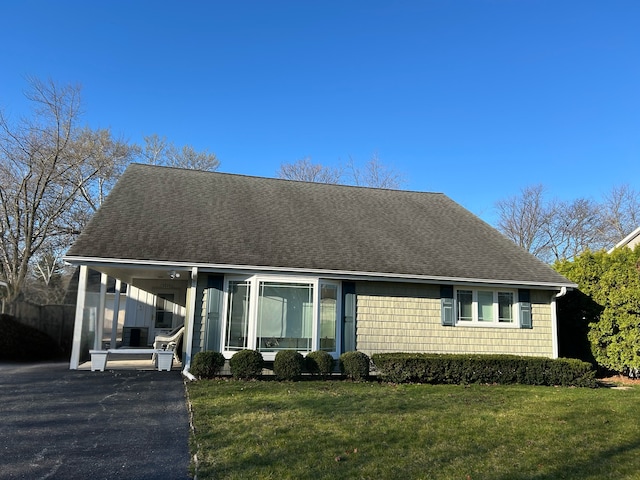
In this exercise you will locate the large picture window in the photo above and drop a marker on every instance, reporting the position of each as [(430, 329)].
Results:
[(270, 314), (285, 317)]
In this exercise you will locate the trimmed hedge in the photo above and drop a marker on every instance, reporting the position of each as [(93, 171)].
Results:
[(288, 365), (319, 363), (500, 369), (207, 364), (355, 365), (246, 364)]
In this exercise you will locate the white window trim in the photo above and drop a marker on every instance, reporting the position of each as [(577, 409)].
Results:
[(495, 323), (254, 281)]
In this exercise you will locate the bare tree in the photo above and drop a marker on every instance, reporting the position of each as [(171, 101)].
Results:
[(621, 213), (526, 219), (48, 279), (575, 227), (159, 151), (555, 230), (96, 151), (373, 174), (46, 161), (307, 171)]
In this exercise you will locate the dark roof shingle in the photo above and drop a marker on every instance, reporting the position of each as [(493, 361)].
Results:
[(174, 215)]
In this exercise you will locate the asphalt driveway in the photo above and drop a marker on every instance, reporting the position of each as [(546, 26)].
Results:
[(62, 424)]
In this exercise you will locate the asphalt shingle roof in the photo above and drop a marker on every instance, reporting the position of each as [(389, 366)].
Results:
[(174, 215)]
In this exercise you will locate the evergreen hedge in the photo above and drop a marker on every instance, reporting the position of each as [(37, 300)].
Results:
[(246, 364), (319, 363), (355, 365), (207, 364), (612, 282), (466, 369), (288, 365)]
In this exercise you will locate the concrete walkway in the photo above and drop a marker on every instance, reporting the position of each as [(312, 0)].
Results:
[(62, 424)]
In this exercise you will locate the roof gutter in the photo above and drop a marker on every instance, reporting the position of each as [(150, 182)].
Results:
[(337, 274)]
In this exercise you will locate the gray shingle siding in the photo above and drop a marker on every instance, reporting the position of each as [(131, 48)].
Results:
[(174, 215)]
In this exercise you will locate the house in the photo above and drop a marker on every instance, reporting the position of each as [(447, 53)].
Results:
[(630, 241), (270, 264)]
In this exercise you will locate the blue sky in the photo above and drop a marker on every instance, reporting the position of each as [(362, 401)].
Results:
[(476, 99)]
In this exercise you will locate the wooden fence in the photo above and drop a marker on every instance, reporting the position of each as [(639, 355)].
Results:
[(54, 320)]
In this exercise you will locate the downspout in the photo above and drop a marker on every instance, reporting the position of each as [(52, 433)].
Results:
[(191, 308), (554, 321)]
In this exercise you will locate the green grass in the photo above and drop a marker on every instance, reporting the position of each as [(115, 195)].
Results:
[(328, 430)]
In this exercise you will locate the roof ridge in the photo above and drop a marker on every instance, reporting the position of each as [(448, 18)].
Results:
[(276, 179)]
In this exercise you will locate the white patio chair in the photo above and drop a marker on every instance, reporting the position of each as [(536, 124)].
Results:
[(169, 341)]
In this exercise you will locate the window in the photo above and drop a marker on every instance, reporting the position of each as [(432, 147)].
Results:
[(237, 316), (505, 307), (285, 317), (328, 316), (465, 305), (485, 307), (270, 314), (164, 310)]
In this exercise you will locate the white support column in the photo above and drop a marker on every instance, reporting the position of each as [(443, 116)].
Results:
[(78, 325), (189, 320), (116, 314), (97, 342)]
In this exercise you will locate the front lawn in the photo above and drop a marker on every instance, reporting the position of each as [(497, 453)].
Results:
[(339, 429)]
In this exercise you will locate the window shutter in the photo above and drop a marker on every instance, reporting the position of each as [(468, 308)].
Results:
[(348, 316), (446, 306), (524, 298)]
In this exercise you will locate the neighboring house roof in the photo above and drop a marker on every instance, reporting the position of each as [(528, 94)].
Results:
[(630, 240), (170, 215)]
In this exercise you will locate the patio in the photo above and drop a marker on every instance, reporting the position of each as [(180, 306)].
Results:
[(130, 362)]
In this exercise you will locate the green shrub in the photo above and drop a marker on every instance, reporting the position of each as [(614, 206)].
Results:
[(288, 365), (207, 364), (612, 283), (319, 363), (354, 365), (246, 364), (465, 369), (23, 343)]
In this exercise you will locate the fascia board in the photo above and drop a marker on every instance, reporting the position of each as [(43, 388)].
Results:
[(337, 274), (626, 240)]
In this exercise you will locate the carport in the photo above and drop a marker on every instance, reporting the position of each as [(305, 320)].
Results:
[(121, 308)]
